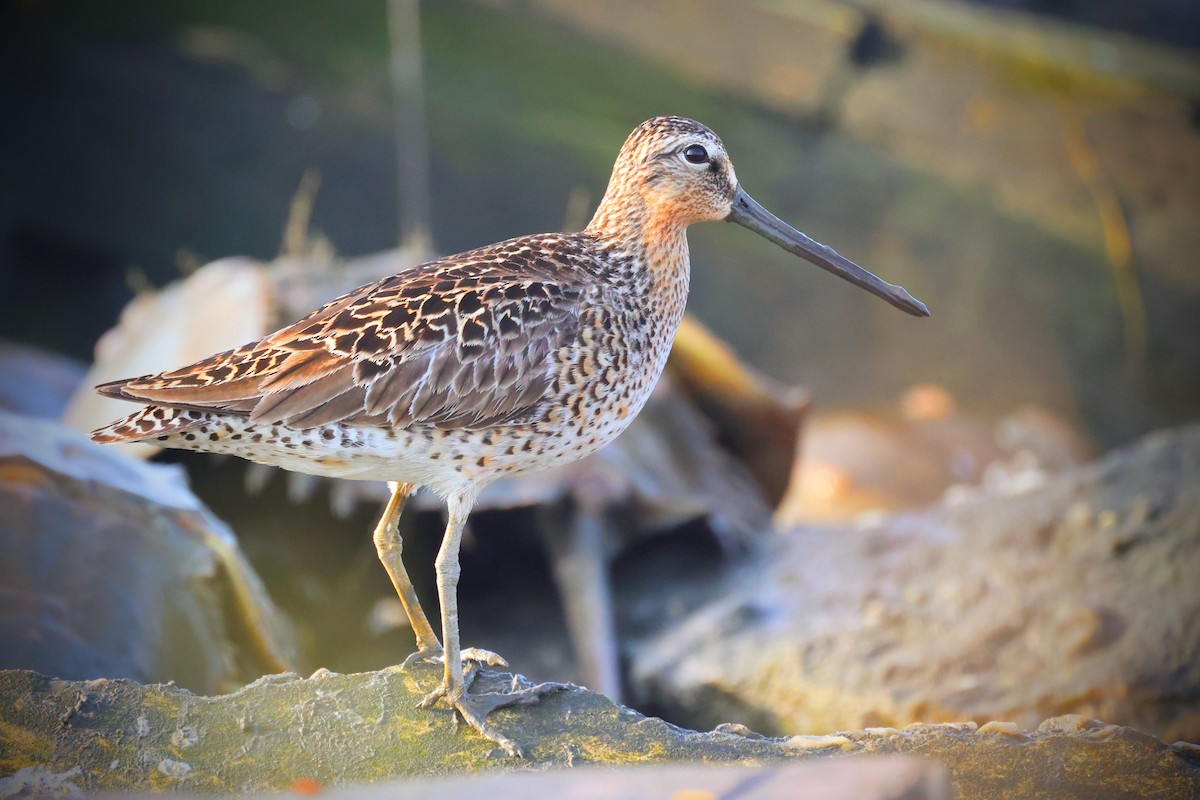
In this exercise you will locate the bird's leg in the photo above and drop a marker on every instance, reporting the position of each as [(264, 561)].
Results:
[(390, 548), (473, 708)]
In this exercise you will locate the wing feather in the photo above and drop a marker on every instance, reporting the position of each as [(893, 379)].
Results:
[(471, 340), (346, 406), (283, 405)]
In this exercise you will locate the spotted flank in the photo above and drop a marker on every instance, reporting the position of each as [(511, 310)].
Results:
[(149, 424)]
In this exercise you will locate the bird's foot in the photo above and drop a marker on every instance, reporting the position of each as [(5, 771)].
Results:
[(436, 655), (424, 655), (475, 708), (481, 656)]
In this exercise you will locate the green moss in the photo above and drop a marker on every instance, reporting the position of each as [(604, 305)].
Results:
[(365, 727), (22, 747)]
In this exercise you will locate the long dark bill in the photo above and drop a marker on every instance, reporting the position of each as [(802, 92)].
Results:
[(749, 214)]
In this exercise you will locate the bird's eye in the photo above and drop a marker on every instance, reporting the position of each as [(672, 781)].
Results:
[(695, 154)]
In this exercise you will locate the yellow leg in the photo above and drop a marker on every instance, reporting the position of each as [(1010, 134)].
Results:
[(473, 708), (390, 548), (448, 570)]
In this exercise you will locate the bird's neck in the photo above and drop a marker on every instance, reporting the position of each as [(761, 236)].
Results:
[(651, 264), (651, 233)]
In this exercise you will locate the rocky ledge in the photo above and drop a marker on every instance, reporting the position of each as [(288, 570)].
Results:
[(286, 732)]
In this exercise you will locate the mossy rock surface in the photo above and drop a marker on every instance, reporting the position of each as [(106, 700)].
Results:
[(117, 735)]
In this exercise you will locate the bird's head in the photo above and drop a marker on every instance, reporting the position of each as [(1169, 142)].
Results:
[(673, 171), (678, 168)]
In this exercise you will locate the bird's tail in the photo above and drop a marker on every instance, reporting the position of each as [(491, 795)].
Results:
[(151, 422)]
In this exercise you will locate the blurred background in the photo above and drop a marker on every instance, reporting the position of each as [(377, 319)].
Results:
[(1028, 168), (1035, 182)]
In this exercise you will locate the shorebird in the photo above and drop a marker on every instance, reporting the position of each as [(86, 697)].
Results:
[(506, 359)]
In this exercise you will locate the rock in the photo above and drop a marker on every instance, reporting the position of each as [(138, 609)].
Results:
[(36, 382), (896, 459), (285, 732), (112, 568), (1076, 597)]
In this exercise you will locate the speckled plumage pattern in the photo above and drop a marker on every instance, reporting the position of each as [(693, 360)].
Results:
[(499, 360), (510, 358)]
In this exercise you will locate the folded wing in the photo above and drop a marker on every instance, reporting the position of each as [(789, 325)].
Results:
[(455, 343)]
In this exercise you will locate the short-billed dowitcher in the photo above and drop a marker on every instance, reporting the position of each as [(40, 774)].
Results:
[(506, 359)]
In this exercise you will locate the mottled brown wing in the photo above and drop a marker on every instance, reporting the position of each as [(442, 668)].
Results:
[(464, 342)]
